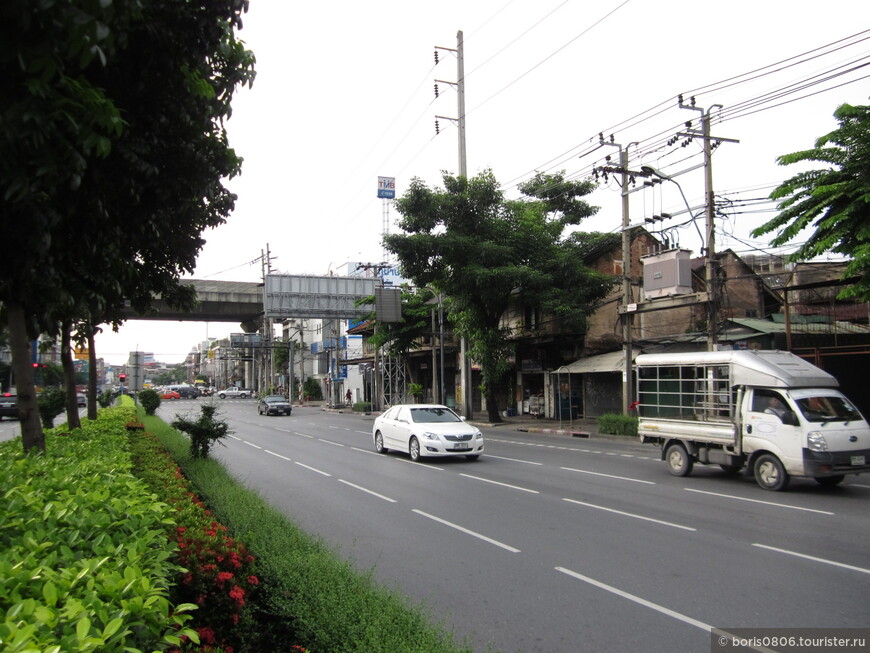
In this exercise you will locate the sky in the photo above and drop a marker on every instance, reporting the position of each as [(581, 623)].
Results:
[(345, 93)]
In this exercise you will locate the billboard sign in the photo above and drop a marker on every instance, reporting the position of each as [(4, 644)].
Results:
[(289, 296), (386, 188)]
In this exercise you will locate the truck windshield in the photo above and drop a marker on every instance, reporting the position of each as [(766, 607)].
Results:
[(827, 409)]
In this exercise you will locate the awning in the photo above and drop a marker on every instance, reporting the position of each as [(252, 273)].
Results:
[(610, 362)]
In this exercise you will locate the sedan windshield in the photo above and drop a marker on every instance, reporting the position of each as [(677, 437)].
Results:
[(429, 415), (827, 409)]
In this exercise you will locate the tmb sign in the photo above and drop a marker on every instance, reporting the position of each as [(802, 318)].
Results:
[(387, 187)]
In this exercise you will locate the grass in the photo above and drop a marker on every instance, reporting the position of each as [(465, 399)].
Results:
[(306, 589)]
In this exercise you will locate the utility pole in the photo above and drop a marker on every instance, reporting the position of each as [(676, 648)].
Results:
[(710, 273), (464, 363)]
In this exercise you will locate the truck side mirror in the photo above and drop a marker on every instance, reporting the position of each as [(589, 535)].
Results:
[(790, 418)]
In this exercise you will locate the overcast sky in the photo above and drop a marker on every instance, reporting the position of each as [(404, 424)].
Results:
[(345, 94)]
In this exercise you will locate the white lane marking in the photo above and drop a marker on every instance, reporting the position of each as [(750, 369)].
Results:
[(513, 487), (466, 531), (369, 451), (336, 444), (235, 438), (251, 444), (277, 455), (364, 432), (359, 487), (310, 437), (621, 478), (858, 485), (313, 469), (631, 597), (283, 430), (630, 514), (767, 503), (813, 558), (408, 461), (514, 460)]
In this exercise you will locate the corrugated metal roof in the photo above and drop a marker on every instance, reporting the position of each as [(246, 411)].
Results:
[(768, 326)]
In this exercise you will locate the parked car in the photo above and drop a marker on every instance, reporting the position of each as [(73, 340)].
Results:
[(8, 405), (241, 393), (274, 405), (81, 399), (426, 430), (172, 395), (186, 391)]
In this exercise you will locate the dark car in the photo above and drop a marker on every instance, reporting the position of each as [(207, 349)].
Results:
[(81, 399), (186, 391), (274, 405), (8, 405)]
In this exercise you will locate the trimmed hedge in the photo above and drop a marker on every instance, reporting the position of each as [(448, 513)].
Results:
[(613, 424), (85, 563)]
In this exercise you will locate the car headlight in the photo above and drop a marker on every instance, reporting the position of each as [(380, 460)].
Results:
[(430, 436), (478, 435), (816, 441)]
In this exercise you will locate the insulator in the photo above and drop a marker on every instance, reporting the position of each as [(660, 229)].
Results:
[(437, 128), (436, 56), (436, 90), (692, 100), (679, 97)]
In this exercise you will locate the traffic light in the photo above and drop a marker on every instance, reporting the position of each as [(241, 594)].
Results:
[(122, 378)]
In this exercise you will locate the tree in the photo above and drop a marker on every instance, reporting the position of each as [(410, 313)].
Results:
[(484, 252), (112, 159), (834, 202)]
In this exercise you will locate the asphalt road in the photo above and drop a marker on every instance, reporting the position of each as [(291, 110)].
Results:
[(550, 543)]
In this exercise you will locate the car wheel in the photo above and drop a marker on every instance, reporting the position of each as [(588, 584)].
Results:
[(243, 396), (222, 395), (473, 456), (379, 443), (677, 458), (414, 449), (830, 481), (770, 473), (172, 398)]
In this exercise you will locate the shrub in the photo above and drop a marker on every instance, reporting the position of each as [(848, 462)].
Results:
[(85, 562), (52, 402), (617, 425), (105, 398), (204, 431), (150, 401), (362, 407)]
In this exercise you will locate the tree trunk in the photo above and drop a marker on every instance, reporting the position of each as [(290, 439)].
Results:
[(32, 436), (69, 376), (492, 404), (92, 374)]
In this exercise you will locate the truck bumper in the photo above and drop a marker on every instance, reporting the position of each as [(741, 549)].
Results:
[(833, 463)]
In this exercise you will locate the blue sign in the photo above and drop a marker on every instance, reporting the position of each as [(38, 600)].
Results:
[(386, 188)]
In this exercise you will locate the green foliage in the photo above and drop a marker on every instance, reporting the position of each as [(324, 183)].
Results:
[(311, 388), (204, 432), (614, 424), (304, 586), (362, 407), (485, 253), (401, 337), (52, 402), (150, 400), (85, 563), (832, 203), (106, 398)]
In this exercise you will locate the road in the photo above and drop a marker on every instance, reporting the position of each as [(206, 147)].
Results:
[(550, 543)]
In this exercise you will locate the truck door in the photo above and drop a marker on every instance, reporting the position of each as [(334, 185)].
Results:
[(771, 425)]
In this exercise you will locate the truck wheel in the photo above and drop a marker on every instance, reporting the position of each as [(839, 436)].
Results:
[(830, 481), (769, 473), (678, 460)]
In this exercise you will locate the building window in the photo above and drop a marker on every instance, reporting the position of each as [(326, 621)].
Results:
[(751, 312), (531, 318)]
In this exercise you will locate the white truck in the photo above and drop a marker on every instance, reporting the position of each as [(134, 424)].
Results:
[(770, 412)]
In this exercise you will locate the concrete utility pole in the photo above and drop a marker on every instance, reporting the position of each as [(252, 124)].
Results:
[(464, 363), (710, 273)]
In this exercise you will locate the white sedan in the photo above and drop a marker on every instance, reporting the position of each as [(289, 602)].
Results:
[(426, 430)]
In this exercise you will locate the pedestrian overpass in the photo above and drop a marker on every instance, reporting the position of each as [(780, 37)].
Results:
[(217, 301)]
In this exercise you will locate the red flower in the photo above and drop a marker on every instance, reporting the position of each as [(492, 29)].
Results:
[(253, 580), (206, 635), (237, 594)]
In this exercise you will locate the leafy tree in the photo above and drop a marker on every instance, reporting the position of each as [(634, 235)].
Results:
[(204, 432), (833, 202), (112, 159), (484, 252), (150, 400)]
